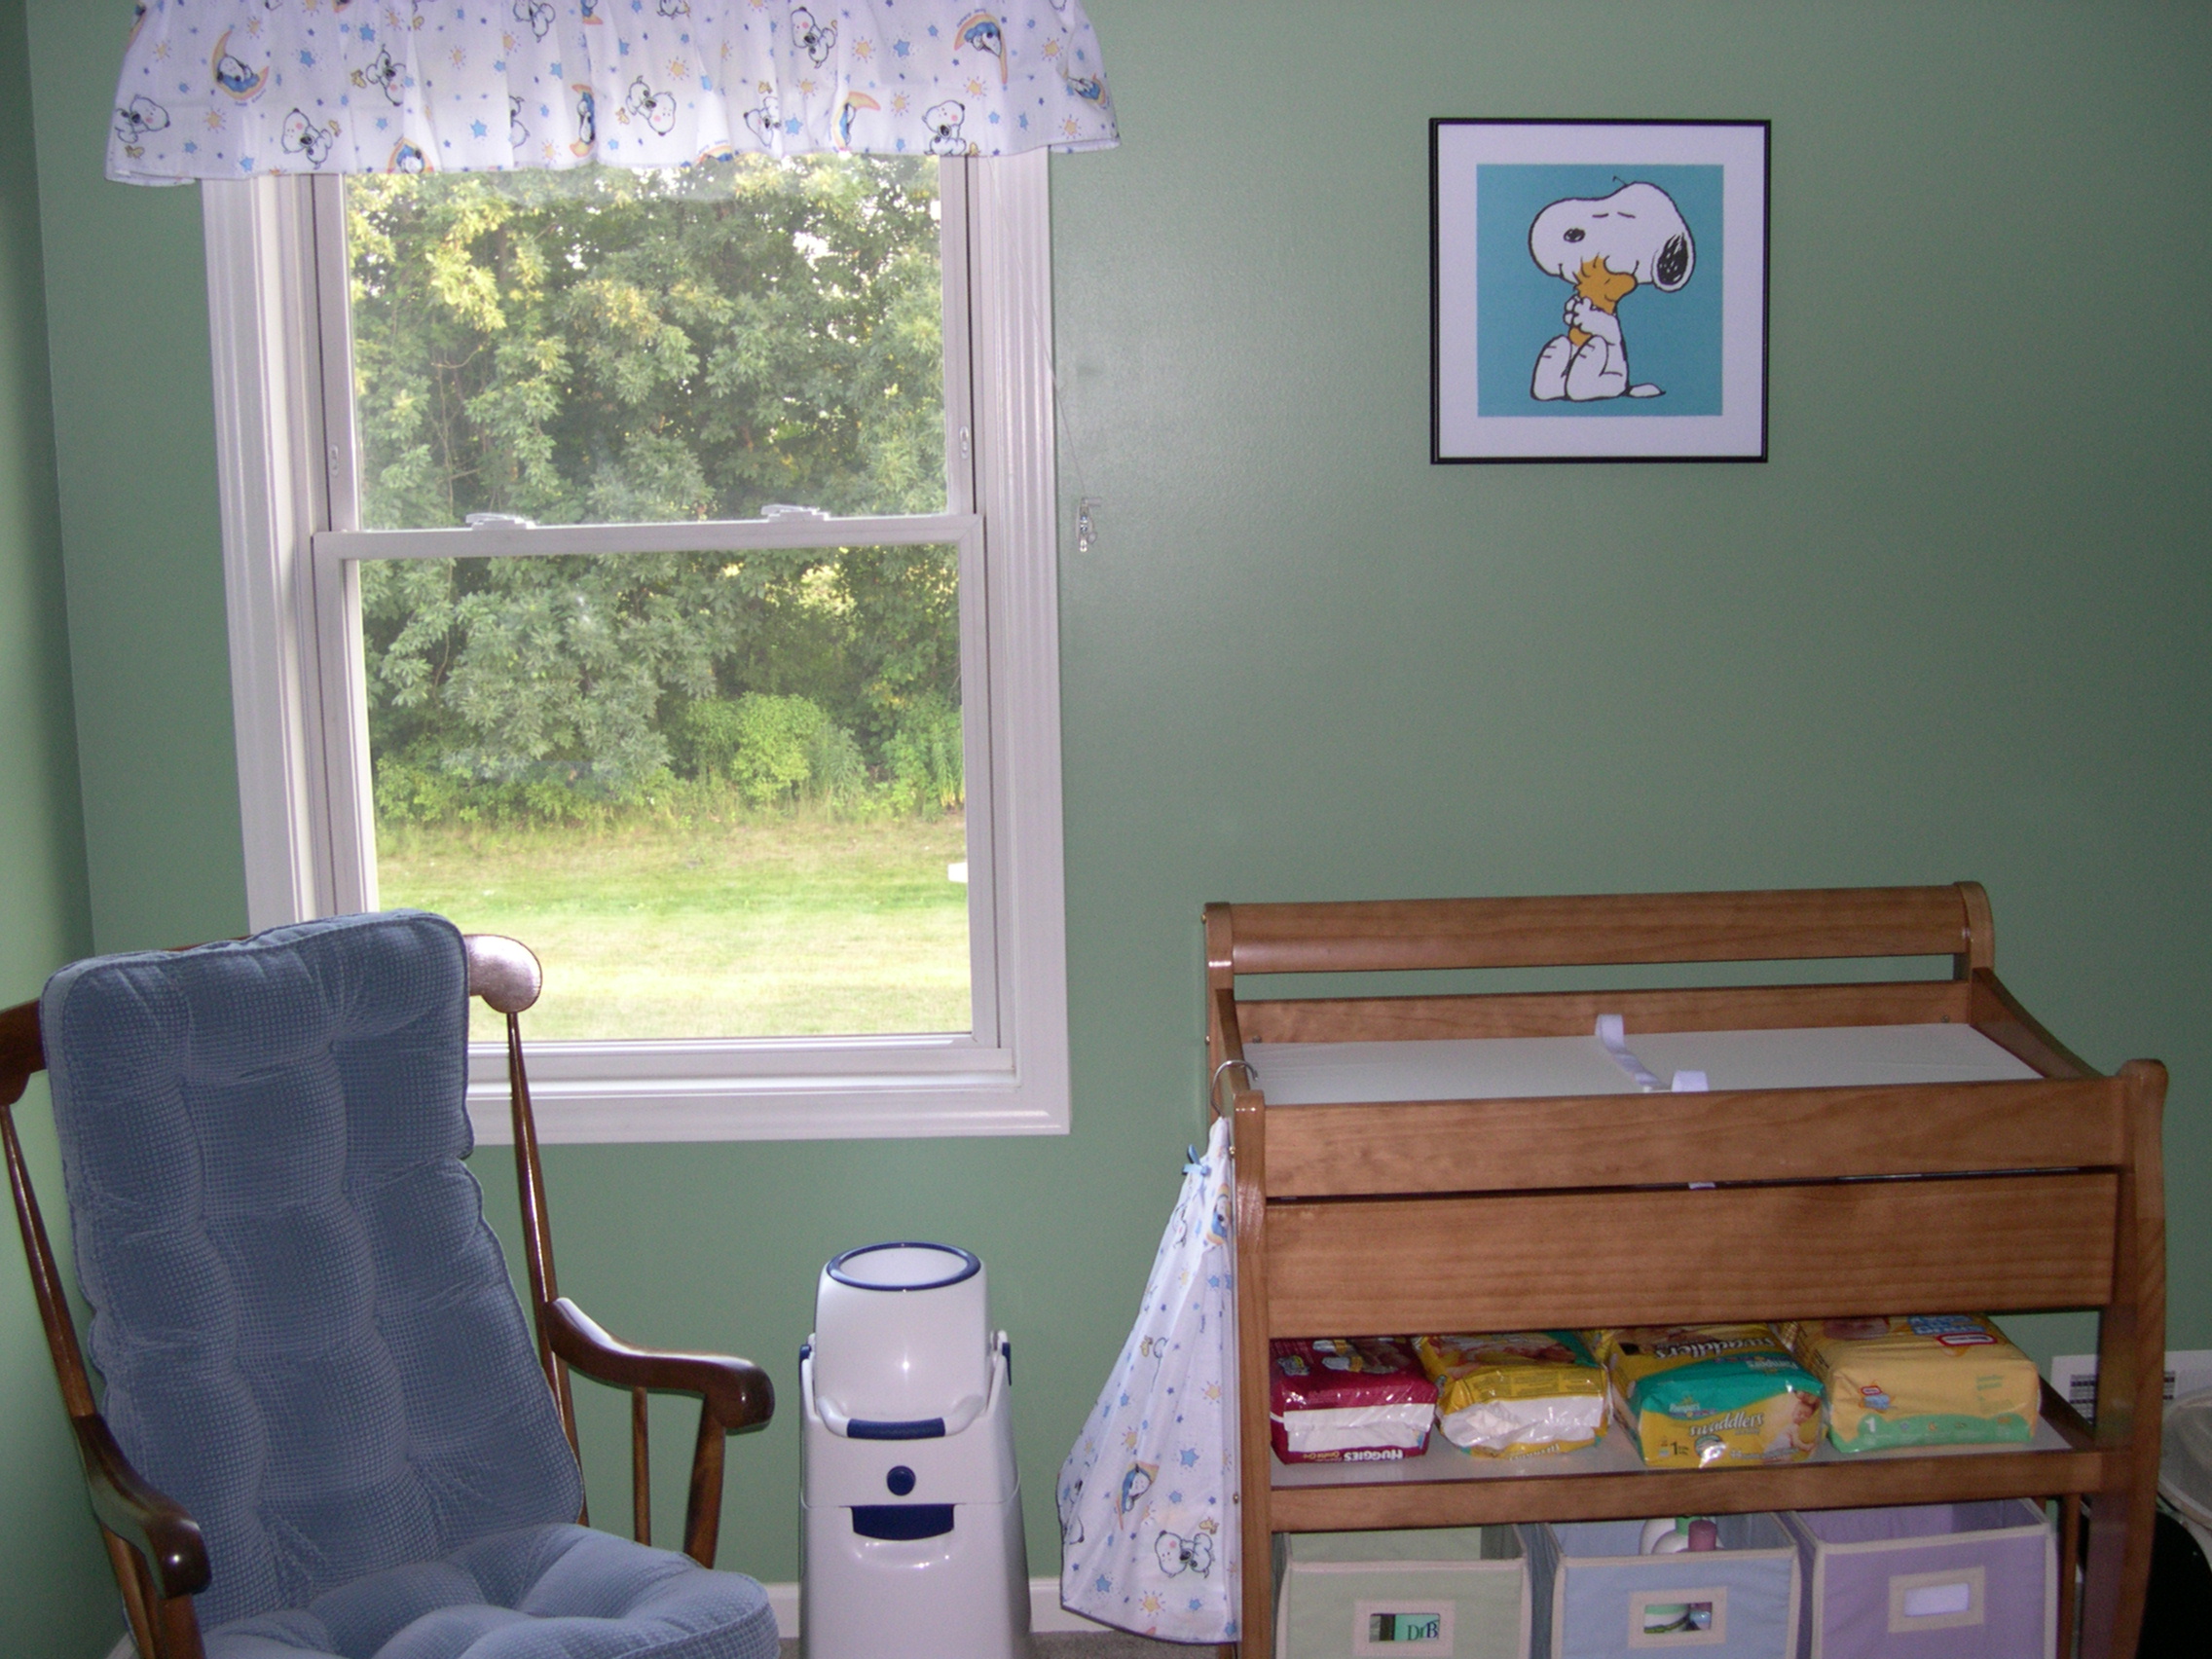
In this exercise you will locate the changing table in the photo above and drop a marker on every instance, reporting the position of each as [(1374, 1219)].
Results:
[(1486, 1162)]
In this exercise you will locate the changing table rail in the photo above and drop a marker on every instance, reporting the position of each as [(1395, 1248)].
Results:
[(1960, 1478), (1807, 924), (1645, 1256), (1617, 1140)]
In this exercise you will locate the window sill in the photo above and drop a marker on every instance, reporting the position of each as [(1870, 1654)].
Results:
[(641, 1092)]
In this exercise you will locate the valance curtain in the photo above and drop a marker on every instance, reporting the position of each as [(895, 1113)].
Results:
[(230, 89)]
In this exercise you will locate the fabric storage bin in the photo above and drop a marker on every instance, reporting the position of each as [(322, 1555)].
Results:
[(1595, 1597), (1931, 1581), (1447, 1593)]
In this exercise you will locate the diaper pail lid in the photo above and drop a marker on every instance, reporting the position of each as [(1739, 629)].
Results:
[(904, 1267), (901, 1340)]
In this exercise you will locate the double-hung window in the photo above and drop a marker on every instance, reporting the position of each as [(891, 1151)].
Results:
[(660, 568)]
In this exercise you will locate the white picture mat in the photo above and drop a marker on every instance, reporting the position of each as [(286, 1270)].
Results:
[(1463, 432)]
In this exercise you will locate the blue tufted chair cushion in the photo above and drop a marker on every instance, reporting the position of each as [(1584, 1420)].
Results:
[(306, 1328), (558, 1592)]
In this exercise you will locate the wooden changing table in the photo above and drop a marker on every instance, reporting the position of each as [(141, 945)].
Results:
[(1980, 1170)]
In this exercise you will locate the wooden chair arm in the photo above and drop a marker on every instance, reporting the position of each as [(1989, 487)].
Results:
[(21, 1052), (738, 1393), (155, 1526), (734, 1395)]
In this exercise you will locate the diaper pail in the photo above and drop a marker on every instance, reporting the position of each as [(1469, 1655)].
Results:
[(910, 1508)]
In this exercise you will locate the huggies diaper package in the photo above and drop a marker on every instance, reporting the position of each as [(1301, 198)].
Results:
[(1509, 1393), (1926, 1379), (1698, 1395), (1347, 1400)]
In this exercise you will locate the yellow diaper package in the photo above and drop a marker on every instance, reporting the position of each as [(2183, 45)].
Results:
[(1923, 1380), (1510, 1394), (1699, 1395)]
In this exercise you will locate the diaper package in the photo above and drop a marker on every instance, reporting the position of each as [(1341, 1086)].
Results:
[(1347, 1400), (1923, 1380), (1509, 1393), (1699, 1395)]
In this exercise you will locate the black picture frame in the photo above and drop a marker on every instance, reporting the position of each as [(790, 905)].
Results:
[(1513, 377)]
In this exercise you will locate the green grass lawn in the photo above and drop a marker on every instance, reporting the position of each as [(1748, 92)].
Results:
[(769, 925)]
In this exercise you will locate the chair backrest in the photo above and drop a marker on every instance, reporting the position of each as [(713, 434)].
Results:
[(307, 1330)]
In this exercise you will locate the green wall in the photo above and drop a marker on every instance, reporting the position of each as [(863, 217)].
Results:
[(1953, 628), (57, 1581), (135, 437)]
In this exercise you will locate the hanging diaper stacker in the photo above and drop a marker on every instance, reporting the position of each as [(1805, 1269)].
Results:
[(1148, 1494)]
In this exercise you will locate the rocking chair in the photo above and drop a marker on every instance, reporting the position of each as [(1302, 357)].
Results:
[(324, 1432)]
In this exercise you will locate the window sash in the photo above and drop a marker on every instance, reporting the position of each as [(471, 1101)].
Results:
[(956, 244), (291, 563), (337, 556)]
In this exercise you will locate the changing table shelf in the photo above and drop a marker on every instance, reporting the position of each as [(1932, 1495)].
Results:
[(1472, 1163), (1446, 1487)]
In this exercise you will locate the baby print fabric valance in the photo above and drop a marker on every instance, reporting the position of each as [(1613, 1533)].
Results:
[(232, 89)]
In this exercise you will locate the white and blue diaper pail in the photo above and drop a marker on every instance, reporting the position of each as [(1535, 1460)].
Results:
[(910, 1508)]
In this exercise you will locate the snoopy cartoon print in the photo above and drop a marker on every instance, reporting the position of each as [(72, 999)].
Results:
[(1605, 249), (302, 137), (944, 122), (1136, 1481), (134, 120), (657, 110), (812, 38), (1193, 1554)]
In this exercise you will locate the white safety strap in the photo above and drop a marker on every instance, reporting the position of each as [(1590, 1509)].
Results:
[(1612, 1032)]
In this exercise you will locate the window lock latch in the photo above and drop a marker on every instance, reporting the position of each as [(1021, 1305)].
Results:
[(784, 510), (500, 521)]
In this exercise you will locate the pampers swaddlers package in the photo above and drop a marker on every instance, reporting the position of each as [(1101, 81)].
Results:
[(1698, 1395), (1923, 1380)]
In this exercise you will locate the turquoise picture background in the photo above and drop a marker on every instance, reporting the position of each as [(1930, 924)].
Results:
[(1674, 339)]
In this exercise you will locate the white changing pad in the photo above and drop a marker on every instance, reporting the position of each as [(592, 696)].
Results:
[(1299, 1073)]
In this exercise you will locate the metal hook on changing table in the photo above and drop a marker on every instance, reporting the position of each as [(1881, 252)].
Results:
[(1213, 1087)]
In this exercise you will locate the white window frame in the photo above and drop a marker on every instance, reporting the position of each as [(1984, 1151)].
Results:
[(284, 443)]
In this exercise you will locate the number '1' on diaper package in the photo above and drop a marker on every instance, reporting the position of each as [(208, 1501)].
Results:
[(1696, 1396), (1921, 1380)]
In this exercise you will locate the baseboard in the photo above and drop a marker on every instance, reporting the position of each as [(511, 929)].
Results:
[(784, 1598), (1045, 1614)]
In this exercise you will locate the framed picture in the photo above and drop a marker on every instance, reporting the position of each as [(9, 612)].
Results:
[(1598, 290)]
